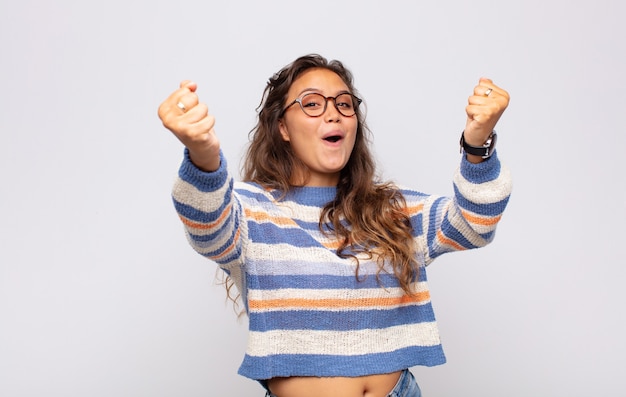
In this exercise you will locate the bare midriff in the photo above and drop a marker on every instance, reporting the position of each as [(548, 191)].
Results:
[(364, 386)]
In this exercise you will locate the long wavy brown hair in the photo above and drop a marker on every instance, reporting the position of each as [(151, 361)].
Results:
[(366, 217)]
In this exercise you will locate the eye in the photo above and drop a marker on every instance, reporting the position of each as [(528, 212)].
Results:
[(312, 100), (344, 101), (344, 105)]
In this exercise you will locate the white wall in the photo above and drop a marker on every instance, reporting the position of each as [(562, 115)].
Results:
[(100, 294)]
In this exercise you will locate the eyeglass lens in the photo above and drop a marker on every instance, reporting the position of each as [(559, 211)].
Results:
[(314, 104)]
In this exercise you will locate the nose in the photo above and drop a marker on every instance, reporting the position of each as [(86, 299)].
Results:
[(332, 113)]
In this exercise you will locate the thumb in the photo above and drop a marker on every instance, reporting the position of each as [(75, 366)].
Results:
[(189, 85)]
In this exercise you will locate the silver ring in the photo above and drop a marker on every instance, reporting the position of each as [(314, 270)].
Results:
[(181, 106), (488, 91)]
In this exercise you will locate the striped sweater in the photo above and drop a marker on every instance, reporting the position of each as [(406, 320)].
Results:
[(308, 313)]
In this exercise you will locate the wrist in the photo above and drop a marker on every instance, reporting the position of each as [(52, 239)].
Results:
[(204, 162), (476, 154)]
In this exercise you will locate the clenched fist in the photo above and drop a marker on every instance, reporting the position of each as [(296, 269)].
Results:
[(190, 121), (484, 109)]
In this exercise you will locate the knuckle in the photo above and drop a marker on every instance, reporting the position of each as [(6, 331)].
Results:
[(193, 98), (203, 108)]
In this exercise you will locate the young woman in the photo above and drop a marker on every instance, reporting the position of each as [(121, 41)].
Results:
[(329, 262)]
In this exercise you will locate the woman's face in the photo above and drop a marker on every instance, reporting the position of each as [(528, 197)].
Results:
[(323, 143)]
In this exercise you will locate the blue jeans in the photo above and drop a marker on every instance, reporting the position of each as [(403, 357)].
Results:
[(405, 387)]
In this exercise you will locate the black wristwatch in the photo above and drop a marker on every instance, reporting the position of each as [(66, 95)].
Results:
[(485, 151)]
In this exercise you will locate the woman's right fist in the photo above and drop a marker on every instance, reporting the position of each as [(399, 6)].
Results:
[(190, 121)]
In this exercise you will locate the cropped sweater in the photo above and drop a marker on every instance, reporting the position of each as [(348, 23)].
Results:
[(309, 314)]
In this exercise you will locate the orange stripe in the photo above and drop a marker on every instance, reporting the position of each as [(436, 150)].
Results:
[(478, 220), (230, 248), (332, 244), (337, 303), (445, 240), (197, 225), (260, 216), (412, 210)]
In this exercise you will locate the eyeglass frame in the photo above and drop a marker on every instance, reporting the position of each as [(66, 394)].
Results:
[(326, 98)]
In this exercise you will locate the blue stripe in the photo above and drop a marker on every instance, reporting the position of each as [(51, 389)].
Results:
[(312, 227), (417, 223), (197, 215), (453, 233), (201, 180), (205, 239), (489, 209), (432, 225), (489, 235), (308, 195), (330, 365), (236, 252), (320, 320), (482, 172), (320, 281), (412, 195), (312, 195), (269, 233), (259, 197)]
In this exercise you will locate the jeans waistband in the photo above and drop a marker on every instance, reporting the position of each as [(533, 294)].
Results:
[(405, 387)]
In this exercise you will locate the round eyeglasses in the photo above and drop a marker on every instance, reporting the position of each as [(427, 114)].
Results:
[(314, 104)]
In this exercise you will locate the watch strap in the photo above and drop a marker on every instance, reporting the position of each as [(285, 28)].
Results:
[(485, 151)]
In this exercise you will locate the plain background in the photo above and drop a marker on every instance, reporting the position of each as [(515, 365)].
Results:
[(100, 295)]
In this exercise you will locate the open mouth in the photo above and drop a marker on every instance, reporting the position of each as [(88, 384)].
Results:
[(333, 138)]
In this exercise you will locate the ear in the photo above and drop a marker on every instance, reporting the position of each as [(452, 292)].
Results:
[(283, 130)]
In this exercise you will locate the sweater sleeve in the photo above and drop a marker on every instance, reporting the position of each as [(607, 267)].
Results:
[(210, 211), (468, 219)]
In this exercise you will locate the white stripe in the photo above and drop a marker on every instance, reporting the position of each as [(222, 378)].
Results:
[(480, 228), (347, 294), (487, 192), (461, 224), (205, 247), (285, 259), (285, 208), (188, 194), (343, 343)]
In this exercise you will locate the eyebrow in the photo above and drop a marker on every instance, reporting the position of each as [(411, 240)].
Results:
[(318, 91)]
